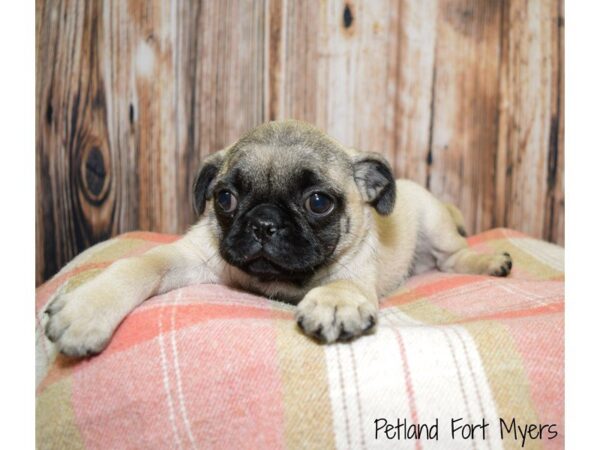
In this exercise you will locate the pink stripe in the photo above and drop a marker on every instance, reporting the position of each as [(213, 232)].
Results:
[(409, 386), (142, 326), (540, 342), (532, 312), (229, 378), (126, 380), (494, 235), (436, 285)]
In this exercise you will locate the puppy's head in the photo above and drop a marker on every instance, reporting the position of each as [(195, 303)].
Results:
[(285, 200)]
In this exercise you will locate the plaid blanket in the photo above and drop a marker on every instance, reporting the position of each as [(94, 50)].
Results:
[(210, 367)]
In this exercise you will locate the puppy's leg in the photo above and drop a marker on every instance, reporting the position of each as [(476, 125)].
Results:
[(82, 321), (339, 310), (450, 249)]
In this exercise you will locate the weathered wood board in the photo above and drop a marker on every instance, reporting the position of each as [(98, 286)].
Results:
[(463, 96)]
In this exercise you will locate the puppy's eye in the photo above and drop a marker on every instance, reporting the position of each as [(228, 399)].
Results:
[(319, 204), (226, 201)]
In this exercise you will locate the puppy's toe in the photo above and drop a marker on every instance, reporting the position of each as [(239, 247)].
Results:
[(55, 327), (355, 320), (315, 320), (76, 330), (81, 343), (56, 305), (337, 319), (500, 265)]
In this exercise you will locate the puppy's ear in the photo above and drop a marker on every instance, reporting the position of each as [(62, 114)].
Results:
[(204, 182), (375, 181)]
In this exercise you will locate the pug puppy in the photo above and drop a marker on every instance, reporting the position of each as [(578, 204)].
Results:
[(289, 213)]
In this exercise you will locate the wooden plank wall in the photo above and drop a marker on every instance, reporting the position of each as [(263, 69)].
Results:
[(463, 96)]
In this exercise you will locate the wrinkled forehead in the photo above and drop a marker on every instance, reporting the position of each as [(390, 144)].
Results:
[(282, 168)]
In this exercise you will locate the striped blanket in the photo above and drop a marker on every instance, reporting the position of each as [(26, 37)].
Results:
[(211, 367)]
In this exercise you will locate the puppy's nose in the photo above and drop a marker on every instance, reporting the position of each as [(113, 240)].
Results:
[(264, 221), (262, 231)]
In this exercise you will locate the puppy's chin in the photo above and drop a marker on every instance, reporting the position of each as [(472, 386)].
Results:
[(262, 265)]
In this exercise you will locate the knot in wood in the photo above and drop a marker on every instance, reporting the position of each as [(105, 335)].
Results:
[(95, 175)]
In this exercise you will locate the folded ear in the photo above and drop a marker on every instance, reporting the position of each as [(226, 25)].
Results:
[(204, 182), (375, 181)]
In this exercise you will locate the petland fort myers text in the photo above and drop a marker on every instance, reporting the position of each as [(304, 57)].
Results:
[(459, 428)]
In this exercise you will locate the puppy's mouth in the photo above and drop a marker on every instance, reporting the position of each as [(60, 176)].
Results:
[(263, 268), (267, 268)]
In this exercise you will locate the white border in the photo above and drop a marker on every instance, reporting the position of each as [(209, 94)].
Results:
[(17, 169), (17, 89), (582, 148)]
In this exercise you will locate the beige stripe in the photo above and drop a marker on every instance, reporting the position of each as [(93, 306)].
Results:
[(549, 254), (55, 426), (107, 251), (523, 260), (426, 312), (506, 377), (307, 411)]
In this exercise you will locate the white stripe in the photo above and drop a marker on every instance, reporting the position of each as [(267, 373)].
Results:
[(182, 407), (549, 254), (436, 357), (479, 382), (437, 386), (163, 362), (379, 381), (540, 300)]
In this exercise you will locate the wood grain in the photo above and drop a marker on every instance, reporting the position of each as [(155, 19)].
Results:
[(464, 126), (531, 195), (463, 96)]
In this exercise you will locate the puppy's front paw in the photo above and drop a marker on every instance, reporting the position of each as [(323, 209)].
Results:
[(78, 325), (335, 314), (500, 265)]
